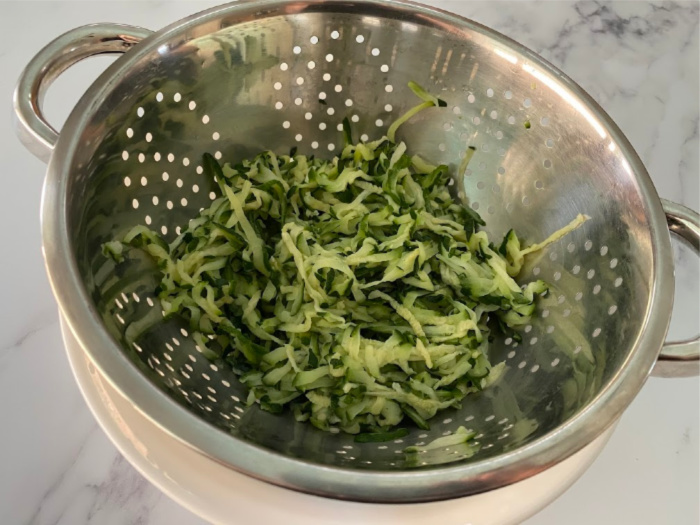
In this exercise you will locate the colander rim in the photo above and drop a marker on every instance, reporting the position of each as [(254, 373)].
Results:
[(428, 484)]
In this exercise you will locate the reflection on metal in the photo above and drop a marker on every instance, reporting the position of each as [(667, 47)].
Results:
[(510, 58), (626, 165), (570, 99), (371, 21)]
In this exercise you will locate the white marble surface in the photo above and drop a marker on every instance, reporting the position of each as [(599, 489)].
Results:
[(638, 59)]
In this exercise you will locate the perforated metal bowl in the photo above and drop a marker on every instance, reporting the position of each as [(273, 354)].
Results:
[(251, 76)]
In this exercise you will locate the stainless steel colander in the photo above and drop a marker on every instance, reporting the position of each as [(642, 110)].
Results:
[(270, 74)]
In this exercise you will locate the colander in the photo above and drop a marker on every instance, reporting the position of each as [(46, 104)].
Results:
[(273, 74)]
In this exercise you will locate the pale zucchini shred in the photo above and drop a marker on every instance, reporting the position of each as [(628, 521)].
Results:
[(356, 290)]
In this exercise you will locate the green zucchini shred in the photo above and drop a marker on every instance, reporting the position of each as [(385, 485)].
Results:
[(381, 437), (355, 290), (446, 449)]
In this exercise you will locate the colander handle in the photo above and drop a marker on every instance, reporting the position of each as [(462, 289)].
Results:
[(37, 135), (681, 359)]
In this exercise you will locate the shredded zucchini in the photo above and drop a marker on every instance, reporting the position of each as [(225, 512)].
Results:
[(446, 449), (356, 290)]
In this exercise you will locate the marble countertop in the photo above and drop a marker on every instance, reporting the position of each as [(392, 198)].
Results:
[(638, 59)]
